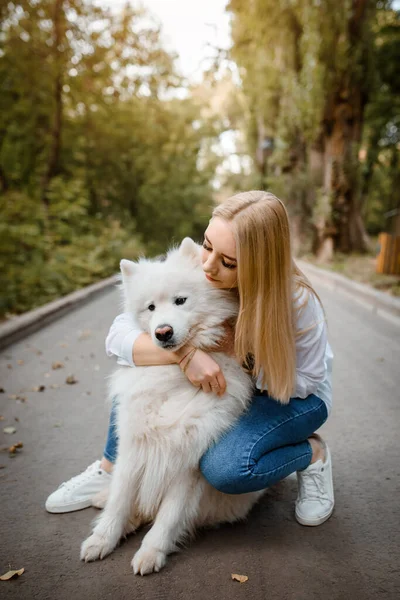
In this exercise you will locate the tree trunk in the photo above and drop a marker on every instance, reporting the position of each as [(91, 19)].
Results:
[(342, 131), (341, 176), (54, 157)]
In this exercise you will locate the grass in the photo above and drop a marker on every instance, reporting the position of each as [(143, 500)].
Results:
[(361, 268)]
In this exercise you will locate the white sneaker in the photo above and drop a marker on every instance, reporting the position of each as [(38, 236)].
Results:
[(315, 500), (77, 493)]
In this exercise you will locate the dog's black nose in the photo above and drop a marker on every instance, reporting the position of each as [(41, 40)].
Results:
[(164, 333)]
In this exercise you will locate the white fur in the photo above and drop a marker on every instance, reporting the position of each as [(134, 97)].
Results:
[(165, 424)]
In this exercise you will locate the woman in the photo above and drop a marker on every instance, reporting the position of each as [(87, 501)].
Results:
[(280, 334)]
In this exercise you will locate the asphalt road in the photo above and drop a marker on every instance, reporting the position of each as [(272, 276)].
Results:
[(355, 555)]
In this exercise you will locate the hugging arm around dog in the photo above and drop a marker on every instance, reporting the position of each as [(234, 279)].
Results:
[(281, 325)]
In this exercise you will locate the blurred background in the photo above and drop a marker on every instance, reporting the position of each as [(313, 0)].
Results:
[(123, 123)]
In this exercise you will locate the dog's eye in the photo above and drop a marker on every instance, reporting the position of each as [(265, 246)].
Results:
[(180, 301), (151, 307)]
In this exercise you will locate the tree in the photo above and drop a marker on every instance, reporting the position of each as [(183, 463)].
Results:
[(97, 161), (307, 70)]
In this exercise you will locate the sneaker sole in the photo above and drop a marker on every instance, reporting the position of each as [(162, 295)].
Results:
[(314, 522), (68, 508)]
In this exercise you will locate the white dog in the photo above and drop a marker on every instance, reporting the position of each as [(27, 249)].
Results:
[(165, 424)]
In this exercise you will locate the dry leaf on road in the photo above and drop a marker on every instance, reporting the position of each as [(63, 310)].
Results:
[(39, 388), (85, 334), (15, 447), (9, 430), (71, 379), (57, 365), (239, 578), (11, 574)]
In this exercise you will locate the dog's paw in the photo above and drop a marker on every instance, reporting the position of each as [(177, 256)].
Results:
[(95, 547), (148, 560)]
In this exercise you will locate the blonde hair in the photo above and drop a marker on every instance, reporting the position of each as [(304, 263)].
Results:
[(270, 286)]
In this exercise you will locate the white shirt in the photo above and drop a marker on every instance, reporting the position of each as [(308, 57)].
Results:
[(313, 352)]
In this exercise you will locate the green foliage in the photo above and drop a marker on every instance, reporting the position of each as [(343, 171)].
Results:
[(46, 254), (381, 167), (97, 161), (323, 78)]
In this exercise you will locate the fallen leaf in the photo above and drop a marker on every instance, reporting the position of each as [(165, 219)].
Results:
[(71, 379), (21, 399), (9, 430), (2, 466), (12, 449), (2, 390), (239, 578), (16, 419), (11, 574), (85, 334), (20, 362), (39, 388), (57, 365)]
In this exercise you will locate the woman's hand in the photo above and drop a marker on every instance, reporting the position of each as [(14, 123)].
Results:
[(202, 371)]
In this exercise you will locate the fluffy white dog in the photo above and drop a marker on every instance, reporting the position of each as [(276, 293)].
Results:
[(165, 424)]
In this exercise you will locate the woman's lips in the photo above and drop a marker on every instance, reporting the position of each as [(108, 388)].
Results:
[(210, 278)]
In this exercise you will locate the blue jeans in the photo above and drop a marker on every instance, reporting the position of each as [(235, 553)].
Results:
[(267, 443)]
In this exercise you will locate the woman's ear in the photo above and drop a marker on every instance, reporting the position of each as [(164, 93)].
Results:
[(190, 249)]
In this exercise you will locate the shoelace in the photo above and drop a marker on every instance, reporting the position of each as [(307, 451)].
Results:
[(72, 483), (312, 486)]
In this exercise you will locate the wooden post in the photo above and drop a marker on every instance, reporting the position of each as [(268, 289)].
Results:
[(388, 260)]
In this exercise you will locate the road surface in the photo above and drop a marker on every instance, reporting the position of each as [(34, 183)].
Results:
[(355, 555)]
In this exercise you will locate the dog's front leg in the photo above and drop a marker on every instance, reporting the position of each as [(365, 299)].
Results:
[(176, 516), (113, 521)]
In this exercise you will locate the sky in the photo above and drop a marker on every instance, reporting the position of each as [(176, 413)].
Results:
[(188, 26)]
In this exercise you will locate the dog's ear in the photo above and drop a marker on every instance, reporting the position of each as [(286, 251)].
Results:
[(190, 249), (128, 268)]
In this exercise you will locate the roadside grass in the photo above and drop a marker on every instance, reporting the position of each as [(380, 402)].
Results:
[(361, 268)]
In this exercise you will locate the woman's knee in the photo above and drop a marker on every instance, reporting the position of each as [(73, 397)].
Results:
[(219, 472)]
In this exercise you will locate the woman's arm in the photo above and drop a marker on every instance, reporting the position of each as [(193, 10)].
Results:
[(311, 368), (145, 353), (133, 347)]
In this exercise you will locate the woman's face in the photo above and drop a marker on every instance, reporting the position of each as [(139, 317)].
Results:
[(219, 254)]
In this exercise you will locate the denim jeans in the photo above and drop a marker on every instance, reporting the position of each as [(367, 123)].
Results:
[(266, 444)]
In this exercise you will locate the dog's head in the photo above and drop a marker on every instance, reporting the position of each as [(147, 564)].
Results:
[(170, 298)]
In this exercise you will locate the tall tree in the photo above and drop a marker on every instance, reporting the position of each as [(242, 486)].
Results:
[(306, 68)]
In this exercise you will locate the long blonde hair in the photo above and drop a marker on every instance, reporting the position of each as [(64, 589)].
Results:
[(269, 285)]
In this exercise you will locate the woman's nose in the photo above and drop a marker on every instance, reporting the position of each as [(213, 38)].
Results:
[(209, 264)]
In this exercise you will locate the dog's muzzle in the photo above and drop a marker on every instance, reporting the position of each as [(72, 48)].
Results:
[(164, 333)]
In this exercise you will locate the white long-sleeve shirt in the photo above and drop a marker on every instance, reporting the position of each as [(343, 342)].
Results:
[(313, 352)]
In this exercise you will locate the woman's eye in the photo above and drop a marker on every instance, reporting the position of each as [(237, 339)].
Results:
[(151, 307), (229, 266), (180, 301), (206, 247)]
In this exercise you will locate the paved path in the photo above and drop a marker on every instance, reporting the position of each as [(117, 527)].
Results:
[(355, 555)]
